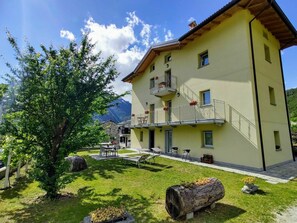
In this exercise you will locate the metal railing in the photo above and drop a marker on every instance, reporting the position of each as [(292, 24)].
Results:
[(244, 126), (163, 85), (181, 114)]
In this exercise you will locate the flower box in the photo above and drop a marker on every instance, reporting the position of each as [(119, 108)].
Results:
[(192, 103), (207, 159)]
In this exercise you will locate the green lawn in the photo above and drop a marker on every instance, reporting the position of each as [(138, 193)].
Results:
[(142, 192)]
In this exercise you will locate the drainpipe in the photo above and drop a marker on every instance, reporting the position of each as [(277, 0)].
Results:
[(286, 102), (256, 85)]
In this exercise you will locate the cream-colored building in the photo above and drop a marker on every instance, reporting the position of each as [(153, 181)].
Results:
[(218, 89)]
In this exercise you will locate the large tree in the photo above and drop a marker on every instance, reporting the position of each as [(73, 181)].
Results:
[(58, 92)]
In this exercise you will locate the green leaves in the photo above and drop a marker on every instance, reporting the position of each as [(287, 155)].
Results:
[(59, 91)]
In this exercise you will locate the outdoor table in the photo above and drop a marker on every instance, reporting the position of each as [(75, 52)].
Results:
[(108, 149), (103, 144), (186, 154)]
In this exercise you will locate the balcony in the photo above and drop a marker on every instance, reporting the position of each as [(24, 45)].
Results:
[(182, 115), (162, 86)]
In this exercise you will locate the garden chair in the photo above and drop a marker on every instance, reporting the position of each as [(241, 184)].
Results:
[(142, 159), (156, 150), (152, 157)]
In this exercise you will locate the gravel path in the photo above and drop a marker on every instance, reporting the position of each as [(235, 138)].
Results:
[(288, 216)]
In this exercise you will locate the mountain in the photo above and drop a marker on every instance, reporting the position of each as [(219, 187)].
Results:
[(119, 112), (292, 103)]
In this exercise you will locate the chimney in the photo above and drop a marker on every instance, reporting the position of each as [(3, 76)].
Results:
[(192, 24)]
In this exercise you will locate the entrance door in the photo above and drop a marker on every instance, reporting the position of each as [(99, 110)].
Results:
[(151, 139), (168, 140)]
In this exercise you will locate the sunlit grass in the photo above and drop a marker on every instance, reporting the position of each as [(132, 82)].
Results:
[(142, 192)]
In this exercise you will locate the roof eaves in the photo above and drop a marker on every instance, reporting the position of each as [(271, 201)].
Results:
[(284, 17), (128, 77), (209, 19), (152, 48)]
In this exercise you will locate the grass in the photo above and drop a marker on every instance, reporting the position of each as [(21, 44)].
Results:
[(142, 192)]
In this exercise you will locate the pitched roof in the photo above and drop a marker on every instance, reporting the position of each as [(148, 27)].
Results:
[(267, 12)]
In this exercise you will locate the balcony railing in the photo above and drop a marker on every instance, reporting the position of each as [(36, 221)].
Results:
[(182, 115), (163, 86)]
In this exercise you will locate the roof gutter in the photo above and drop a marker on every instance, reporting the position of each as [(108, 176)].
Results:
[(256, 85)]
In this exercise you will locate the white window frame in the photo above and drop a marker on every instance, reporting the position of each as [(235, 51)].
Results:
[(152, 67), (204, 139), (202, 59), (202, 93), (167, 58)]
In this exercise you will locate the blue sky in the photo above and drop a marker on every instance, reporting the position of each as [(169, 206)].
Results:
[(125, 28)]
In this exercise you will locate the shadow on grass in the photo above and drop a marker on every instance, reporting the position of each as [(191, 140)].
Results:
[(18, 186), (221, 213), (76, 207), (261, 192), (107, 168)]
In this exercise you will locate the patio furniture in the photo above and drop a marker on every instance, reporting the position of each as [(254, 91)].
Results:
[(174, 151), (156, 150), (138, 159), (186, 154), (114, 150), (142, 120), (152, 157)]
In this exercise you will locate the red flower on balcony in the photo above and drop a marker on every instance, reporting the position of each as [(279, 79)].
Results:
[(165, 108), (147, 112), (193, 102)]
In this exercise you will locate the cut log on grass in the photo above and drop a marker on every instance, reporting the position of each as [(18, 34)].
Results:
[(191, 197)]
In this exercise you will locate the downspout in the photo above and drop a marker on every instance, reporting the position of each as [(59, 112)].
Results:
[(286, 102), (256, 85)]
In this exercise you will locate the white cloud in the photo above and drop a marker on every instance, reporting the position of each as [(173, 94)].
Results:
[(168, 35), (127, 44), (67, 35), (132, 20)]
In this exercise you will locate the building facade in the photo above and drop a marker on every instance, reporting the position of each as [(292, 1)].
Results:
[(124, 132), (218, 89)]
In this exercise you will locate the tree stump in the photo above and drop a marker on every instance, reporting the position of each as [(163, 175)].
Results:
[(77, 163), (184, 199)]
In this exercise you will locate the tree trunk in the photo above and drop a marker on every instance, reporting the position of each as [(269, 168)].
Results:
[(52, 184), (7, 173), (184, 199), (18, 173)]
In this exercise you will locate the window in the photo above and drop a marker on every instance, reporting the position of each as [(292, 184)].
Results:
[(207, 139), (272, 96), (168, 58), (152, 83), (265, 35), (152, 67), (141, 136), (205, 97), (267, 53), (277, 140), (122, 139), (203, 59)]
